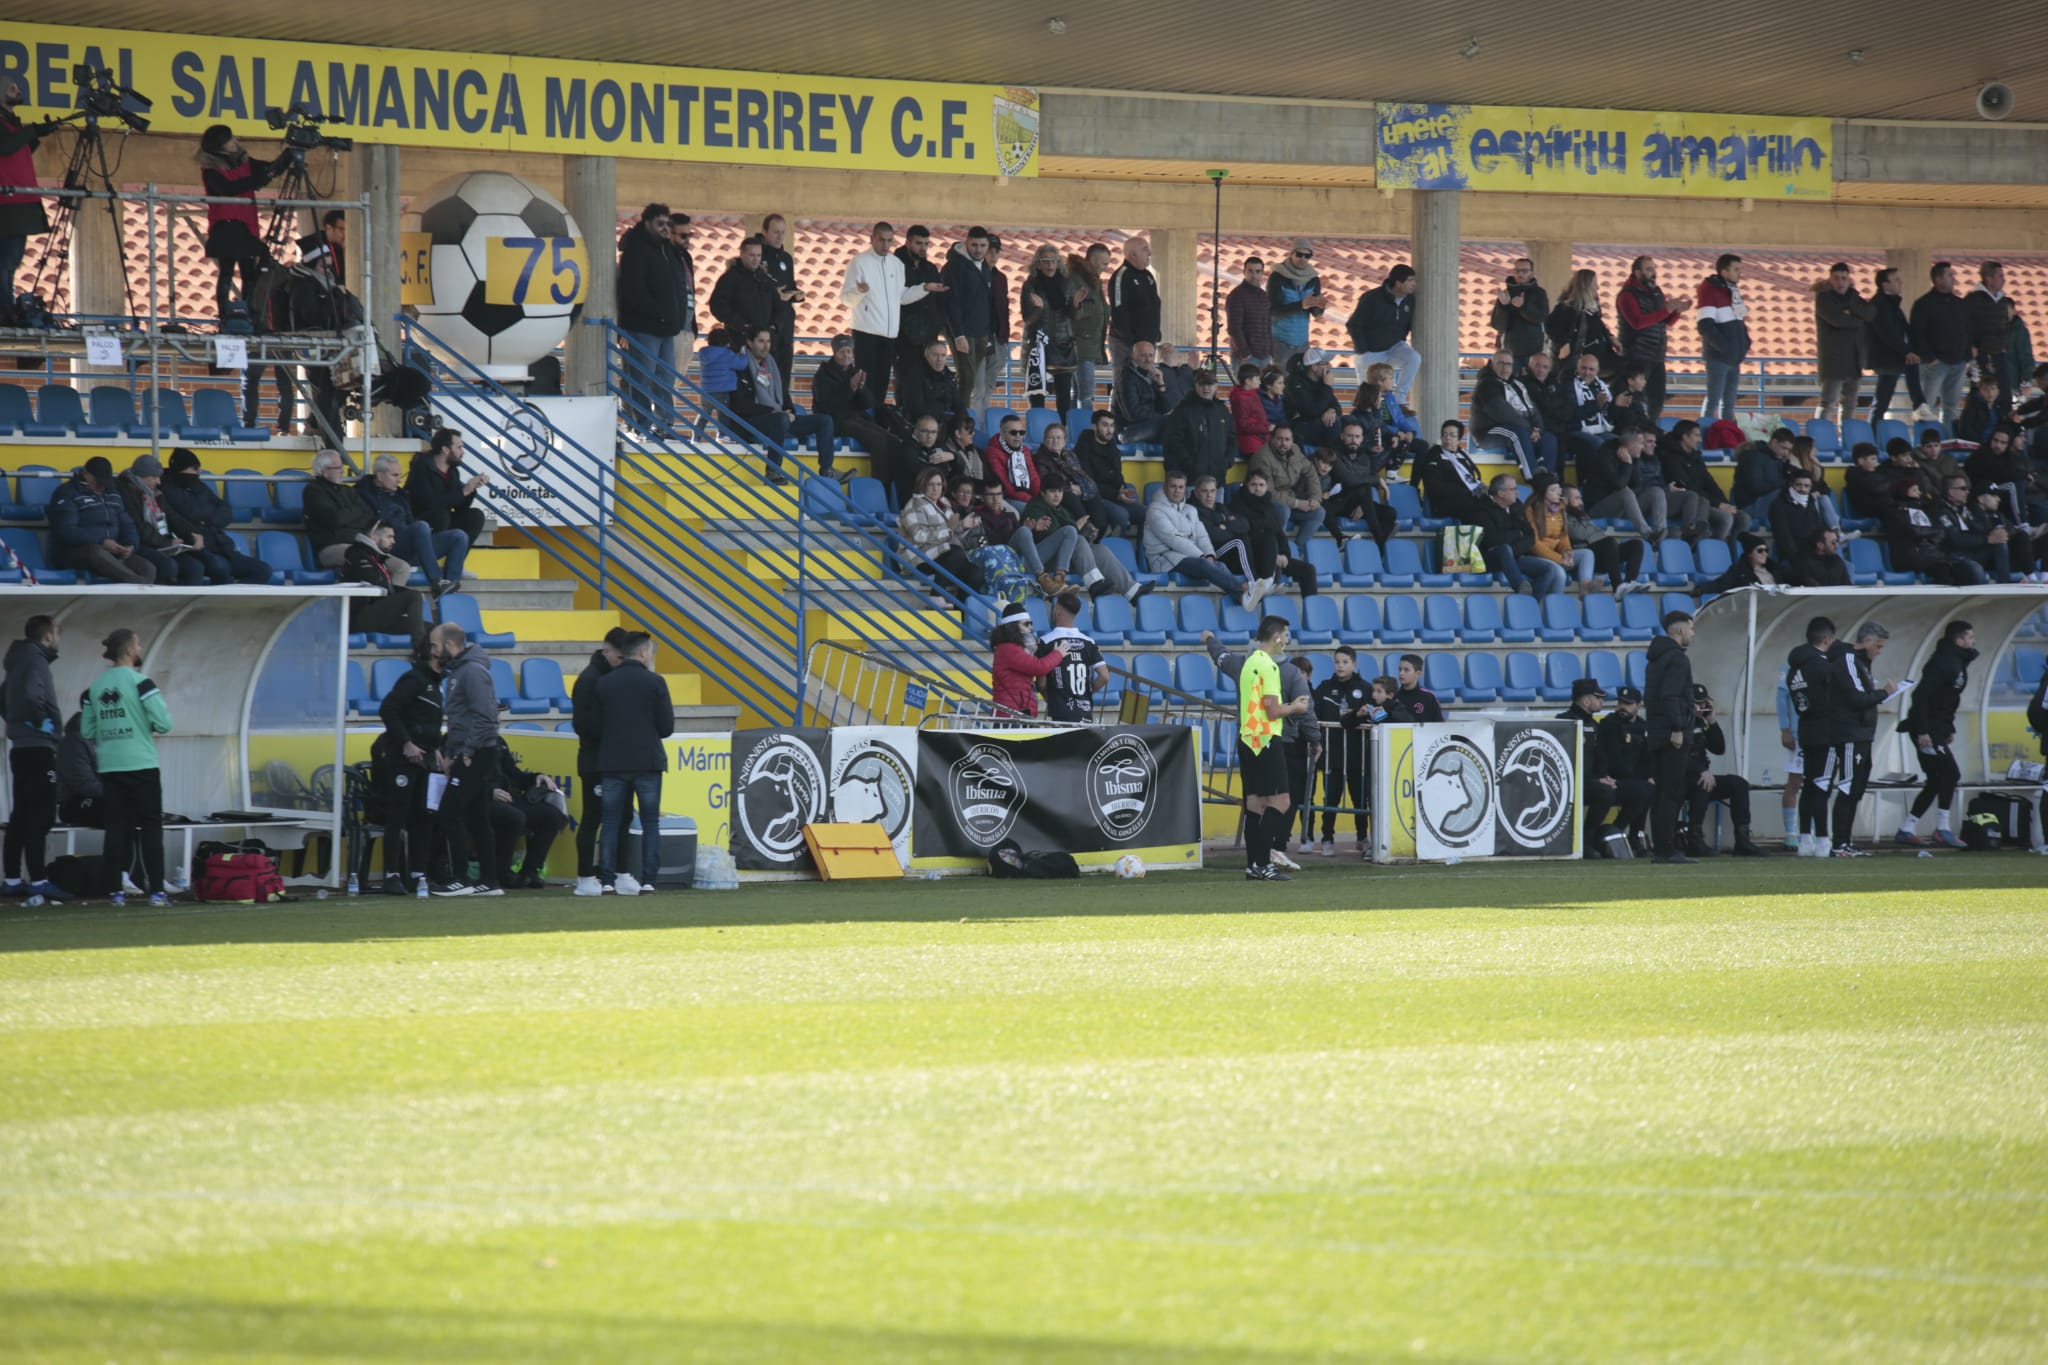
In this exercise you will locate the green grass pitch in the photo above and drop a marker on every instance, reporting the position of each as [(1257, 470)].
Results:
[(1792, 1112)]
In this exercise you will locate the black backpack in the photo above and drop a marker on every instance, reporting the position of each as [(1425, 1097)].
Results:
[(1007, 860)]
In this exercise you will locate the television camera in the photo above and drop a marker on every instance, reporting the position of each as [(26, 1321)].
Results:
[(301, 129)]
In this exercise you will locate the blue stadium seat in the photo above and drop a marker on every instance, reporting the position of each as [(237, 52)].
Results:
[(1400, 620), (1432, 559), (460, 609), (1321, 624), (1040, 614), (1078, 420), (1561, 619), (866, 497), (1407, 505), (1866, 562), (1362, 563), (285, 554), (1441, 619), (1604, 667), (59, 412), (1713, 558), (1523, 680), (1892, 577), (1403, 564), (248, 494), (1675, 601), (1889, 429), (1319, 668), (359, 700), (33, 489), (1197, 614), (1826, 440), (541, 680), (978, 618), (507, 688), (384, 675), (1235, 624), (1855, 431), (1361, 617), (168, 405), (1667, 422), (1561, 668), (216, 408), (1639, 616), (1154, 668), (1323, 557), (1440, 675), (28, 548), (1194, 673), (826, 500), (16, 411), (1636, 670), (1113, 619), (1484, 677), (1521, 618), (1482, 620), (291, 502), (1287, 609), (1120, 550), (1602, 618), (113, 412), (1675, 566), (1155, 621), (1036, 420)]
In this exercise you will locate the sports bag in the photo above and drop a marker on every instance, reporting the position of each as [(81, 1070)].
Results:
[(1461, 552), (2012, 817), (1008, 860), (245, 878)]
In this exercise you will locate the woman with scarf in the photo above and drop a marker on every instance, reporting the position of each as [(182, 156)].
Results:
[(1295, 293), (1049, 353)]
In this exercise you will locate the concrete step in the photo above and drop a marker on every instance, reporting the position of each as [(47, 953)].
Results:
[(522, 594), (551, 624), (490, 561)]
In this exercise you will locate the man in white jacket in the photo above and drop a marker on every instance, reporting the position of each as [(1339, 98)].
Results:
[(1176, 541), (876, 293)]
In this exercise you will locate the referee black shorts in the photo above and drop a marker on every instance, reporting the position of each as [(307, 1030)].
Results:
[(1264, 773)]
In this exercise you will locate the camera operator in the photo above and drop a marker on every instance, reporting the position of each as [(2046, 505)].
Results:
[(21, 214), (234, 236)]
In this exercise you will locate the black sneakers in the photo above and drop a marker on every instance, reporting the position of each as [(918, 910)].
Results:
[(1266, 872)]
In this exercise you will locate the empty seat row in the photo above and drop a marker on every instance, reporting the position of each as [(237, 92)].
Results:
[(55, 411), (538, 688), (1520, 676), (251, 496)]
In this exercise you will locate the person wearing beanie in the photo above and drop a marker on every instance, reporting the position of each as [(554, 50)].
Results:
[(141, 497), (90, 529), (199, 516)]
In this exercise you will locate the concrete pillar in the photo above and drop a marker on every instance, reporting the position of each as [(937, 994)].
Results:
[(372, 255), (1553, 266), (1175, 260), (1433, 239), (98, 277), (1912, 263), (590, 187)]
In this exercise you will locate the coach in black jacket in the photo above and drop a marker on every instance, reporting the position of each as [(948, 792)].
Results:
[(631, 713), (1667, 710), (582, 700)]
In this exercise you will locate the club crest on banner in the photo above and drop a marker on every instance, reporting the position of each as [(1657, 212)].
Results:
[(1535, 782), (778, 790), (1454, 792), (872, 784), (1123, 782), (988, 791)]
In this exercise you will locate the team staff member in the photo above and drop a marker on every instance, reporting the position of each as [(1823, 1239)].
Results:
[(1931, 721), (469, 708), (401, 761), (1854, 696), (1704, 787), (1604, 790), (1808, 683), (1625, 754), (1261, 761), (34, 722), (123, 714), (582, 698), (523, 807), (1667, 711)]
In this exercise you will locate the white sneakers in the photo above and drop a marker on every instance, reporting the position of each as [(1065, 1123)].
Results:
[(589, 886), (1280, 859), (626, 884), (1815, 846), (1329, 849)]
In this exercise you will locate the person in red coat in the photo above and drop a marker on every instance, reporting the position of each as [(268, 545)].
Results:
[(1017, 665), (234, 233), (21, 214), (1249, 419), (1011, 459)]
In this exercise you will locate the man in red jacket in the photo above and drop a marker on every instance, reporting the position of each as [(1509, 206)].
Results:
[(1646, 318)]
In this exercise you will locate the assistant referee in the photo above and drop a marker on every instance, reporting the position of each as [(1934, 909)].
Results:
[(1261, 760)]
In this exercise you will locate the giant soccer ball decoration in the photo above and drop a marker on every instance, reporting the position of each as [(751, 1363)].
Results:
[(508, 267)]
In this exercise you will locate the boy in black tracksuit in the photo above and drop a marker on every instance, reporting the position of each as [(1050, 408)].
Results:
[(1343, 705), (1624, 744), (1704, 787), (1931, 721)]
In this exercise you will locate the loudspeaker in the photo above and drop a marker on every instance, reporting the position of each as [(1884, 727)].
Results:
[(1994, 100)]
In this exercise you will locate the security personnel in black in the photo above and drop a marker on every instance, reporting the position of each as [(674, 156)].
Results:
[(1808, 682), (1604, 791), (1854, 696), (1625, 757), (1667, 711), (401, 760), (1704, 787), (522, 804), (1342, 700)]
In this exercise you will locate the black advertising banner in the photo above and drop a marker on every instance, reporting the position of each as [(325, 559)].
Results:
[(1075, 791), (779, 785), (1535, 766)]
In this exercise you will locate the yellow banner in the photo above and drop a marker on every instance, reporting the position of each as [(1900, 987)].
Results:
[(413, 98), (415, 267), (1604, 151)]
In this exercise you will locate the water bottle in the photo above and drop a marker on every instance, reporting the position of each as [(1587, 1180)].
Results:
[(354, 887), (421, 884)]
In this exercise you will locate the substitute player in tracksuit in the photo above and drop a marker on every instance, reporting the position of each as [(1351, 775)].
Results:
[(1809, 680), (1931, 721), (1343, 703), (1853, 696)]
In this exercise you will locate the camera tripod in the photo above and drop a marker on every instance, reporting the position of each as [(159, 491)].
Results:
[(88, 164), (295, 183)]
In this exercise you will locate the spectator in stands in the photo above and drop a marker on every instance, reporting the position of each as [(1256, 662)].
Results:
[(1695, 500), (199, 517), (1617, 560), (1936, 462), (929, 388), (1917, 542), (524, 806), (960, 443), (1175, 541), (1139, 399), (402, 759), (1103, 461), (469, 751), (1970, 536), (1819, 563), (81, 799), (1070, 688), (1615, 481), (1795, 517), (1888, 345), (1312, 406), (1840, 315), (1867, 487), (1667, 712), (1050, 355), (1504, 411), (2020, 355), (631, 714), (1646, 318), (1704, 787), (420, 543), (1905, 464), (90, 529), (1297, 491), (685, 262), (1250, 319), (1577, 327), (234, 234), (2032, 415), (781, 268), (1940, 330), (998, 366), (1091, 319), (924, 318), (651, 304), (968, 316), (1249, 420), (21, 215), (1178, 373), (1294, 294), (840, 391), (441, 496), (1265, 539), (1753, 567), (1551, 393), (583, 719), (747, 296), (1761, 470), (1098, 570), (122, 714), (1016, 665), (2001, 468), (1585, 406), (35, 722), (1047, 552), (1551, 536), (1981, 410), (1354, 482), (1630, 410), (1448, 477), (1379, 326), (1414, 702), (1931, 723), (1519, 312), (336, 512), (718, 368), (1396, 427), (929, 522), (1010, 457), (762, 401), (399, 610), (1509, 543), (141, 498), (1197, 434), (1990, 324), (1002, 572), (1133, 304), (1058, 464), (877, 290), (911, 458), (1724, 335)]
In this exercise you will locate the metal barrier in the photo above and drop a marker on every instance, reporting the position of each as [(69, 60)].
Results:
[(845, 685)]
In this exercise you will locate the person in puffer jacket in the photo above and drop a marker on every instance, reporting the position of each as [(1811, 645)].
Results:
[(1724, 335), (90, 529)]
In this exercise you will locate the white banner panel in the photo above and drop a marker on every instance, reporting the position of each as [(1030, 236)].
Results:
[(547, 463), (874, 780)]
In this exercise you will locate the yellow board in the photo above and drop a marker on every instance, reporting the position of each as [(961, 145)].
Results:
[(1521, 150), (413, 98), (852, 853), (416, 267), (542, 270)]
